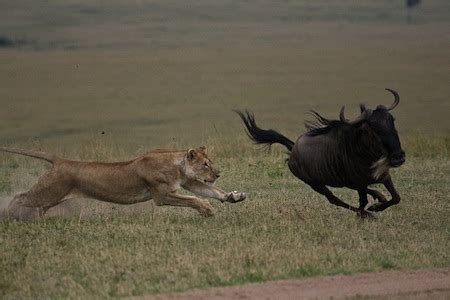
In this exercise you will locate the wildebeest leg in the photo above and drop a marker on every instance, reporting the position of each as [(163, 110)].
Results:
[(395, 197), (363, 203), (362, 199), (336, 201), (376, 195)]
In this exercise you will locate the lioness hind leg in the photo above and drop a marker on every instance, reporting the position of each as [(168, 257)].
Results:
[(174, 199), (23, 213), (50, 190)]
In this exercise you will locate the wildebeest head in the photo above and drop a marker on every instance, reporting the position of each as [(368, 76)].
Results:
[(381, 122)]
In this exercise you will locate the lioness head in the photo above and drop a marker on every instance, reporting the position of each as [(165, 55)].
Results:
[(197, 166)]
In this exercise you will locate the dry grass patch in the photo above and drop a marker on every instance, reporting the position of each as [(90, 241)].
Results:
[(283, 230)]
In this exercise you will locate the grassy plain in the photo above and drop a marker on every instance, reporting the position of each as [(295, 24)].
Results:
[(167, 74)]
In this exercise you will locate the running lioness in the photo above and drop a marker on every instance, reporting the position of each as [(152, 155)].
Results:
[(157, 175)]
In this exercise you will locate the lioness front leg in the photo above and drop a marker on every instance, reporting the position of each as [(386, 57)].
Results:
[(210, 191), (175, 199)]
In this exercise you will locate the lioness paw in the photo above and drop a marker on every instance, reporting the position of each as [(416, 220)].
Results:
[(206, 210), (234, 197)]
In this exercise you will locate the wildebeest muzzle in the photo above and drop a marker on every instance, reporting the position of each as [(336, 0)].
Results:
[(397, 159)]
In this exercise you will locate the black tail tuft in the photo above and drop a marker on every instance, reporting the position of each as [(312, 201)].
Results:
[(261, 136)]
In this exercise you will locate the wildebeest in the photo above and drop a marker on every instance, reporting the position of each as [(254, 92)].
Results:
[(412, 3), (343, 153)]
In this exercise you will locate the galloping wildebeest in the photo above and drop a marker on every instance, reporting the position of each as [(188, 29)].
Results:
[(342, 153)]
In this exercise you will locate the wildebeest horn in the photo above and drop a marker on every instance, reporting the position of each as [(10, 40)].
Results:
[(364, 115), (396, 100), (362, 107), (342, 116)]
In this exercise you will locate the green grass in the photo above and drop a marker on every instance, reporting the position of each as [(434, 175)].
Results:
[(163, 74), (283, 230)]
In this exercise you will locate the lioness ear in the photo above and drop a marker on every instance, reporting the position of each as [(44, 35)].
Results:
[(203, 149), (191, 154)]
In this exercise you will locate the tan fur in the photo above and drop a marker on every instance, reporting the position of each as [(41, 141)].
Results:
[(157, 175)]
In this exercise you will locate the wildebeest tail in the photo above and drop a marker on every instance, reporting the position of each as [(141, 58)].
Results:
[(262, 136), (41, 155)]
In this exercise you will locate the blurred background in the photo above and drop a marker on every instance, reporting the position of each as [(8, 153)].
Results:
[(167, 73)]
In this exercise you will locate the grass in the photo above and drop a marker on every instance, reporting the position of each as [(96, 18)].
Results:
[(166, 75), (283, 230)]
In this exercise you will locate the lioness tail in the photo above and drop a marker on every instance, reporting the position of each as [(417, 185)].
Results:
[(36, 154)]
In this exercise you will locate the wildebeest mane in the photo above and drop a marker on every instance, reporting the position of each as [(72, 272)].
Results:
[(363, 149), (321, 125)]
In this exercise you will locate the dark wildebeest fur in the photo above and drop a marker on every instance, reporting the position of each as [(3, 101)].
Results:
[(342, 153)]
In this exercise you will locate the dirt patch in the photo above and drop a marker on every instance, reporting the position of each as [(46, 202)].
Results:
[(419, 284)]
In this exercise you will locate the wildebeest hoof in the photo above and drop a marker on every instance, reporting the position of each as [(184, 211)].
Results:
[(365, 214), (375, 207), (234, 197)]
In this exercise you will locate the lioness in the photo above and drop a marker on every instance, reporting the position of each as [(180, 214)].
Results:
[(156, 175)]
